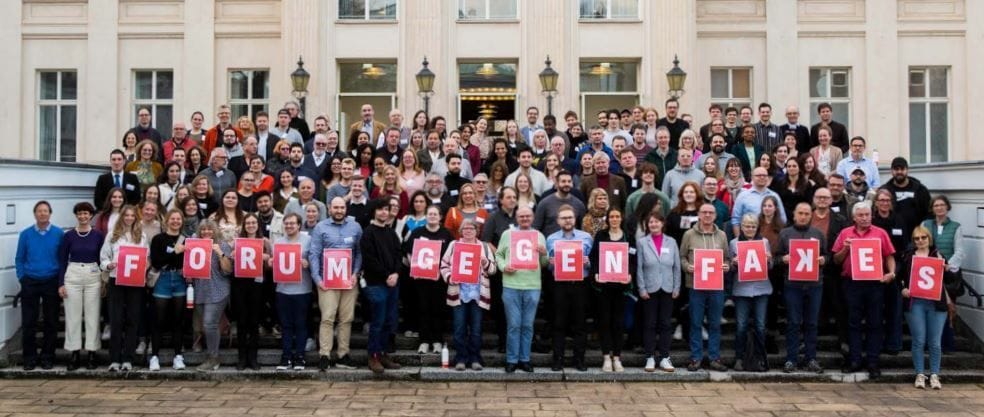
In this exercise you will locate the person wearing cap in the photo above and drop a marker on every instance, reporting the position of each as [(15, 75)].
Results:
[(856, 159), (910, 195), (857, 190)]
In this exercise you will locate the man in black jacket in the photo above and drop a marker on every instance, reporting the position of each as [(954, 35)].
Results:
[(801, 132), (830, 223), (838, 131), (381, 266), (911, 196), (116, 178)]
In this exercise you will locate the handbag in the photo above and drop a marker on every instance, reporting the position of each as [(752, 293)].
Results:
[(153, 274)]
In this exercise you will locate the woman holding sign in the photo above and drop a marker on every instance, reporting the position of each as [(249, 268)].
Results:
[(212, 294), (751, 291), (927, 306), (124, 300), (167, 257), (251, 252), (468, 298), (428, 290), (612, 292)]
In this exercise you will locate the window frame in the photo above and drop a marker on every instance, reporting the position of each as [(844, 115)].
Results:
[(251, 101), (488, 9), (927, 100), (731, 100), (368, 11), (58, 103), (154, 102), (849, 100), (585, 95), (608, 13), (343, 126)]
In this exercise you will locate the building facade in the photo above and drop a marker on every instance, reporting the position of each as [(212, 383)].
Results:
[(898, 72)]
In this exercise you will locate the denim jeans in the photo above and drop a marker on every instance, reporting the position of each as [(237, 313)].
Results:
[(711, 303), (744, 307), (292, 310), (383, 302), (865, 301), (893, 316), (467, 333), (520, 306), (926, 327), (803, 311)]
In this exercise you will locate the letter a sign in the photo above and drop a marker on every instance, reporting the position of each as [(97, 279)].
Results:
[(523, 252), (613, 258), (568, 260), (131, 266), (249, 258), (425, 259), (287, 263), (752, 261), (466, 260), (708, 274), (926, 278), (197, 259), (866, 260), (337, 269), (804, 260)]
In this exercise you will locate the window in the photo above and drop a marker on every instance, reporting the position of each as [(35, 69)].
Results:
[(487, 90), (609, 9), (486, 9), (362, 83), (154, 89), (57, 112), (249, 92), (832, 85), (367, 9), (731, 87), (608, 85), (929, 114)]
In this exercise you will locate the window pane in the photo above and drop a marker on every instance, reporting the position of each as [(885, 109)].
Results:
[(595, 103), (49, 86), (594, 9), (382, 9), (47, 132), (917, 84), (165, 85), (719, 83), (163, 117), (69, 85), (143, 85), (367, 78), (917, 133), (261, 84), (487, 78), (625, 9), (351, 9), (471, 9), (68, 128), (502, 9), (818, 83), (349, 111), (260, 107), (937, 82), (741, 83), (842, 113), (238, 85), (239, 110), (839, 84), (608, 76), (938, 132)]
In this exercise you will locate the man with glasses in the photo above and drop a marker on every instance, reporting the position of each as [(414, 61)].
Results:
[(344, 184), (717, 151), (318, 160), (219, 177), (490, 202), (214, 135), (570, 297), (750, 200), (704, 304), (145, 129), (830, 224), (676, 126), (792, 126)]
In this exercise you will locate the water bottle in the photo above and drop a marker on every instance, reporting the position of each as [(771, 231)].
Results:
[(445, 359), (874, 155), (190, 297)]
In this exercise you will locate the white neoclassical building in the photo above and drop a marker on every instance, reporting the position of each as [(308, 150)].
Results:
[(899, 72)]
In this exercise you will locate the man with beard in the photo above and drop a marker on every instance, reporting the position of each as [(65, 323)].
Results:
[(857, 190), (718, 143), (911, 196), (437, 193), (318, 161), (214, 135), (571, 297), (265, 141), (453, 179), (838, 202), (440, 165), (675, 126), (545, 218), (857, 160)]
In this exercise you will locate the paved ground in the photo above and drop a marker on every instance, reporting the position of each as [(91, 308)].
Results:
[(288, 398)]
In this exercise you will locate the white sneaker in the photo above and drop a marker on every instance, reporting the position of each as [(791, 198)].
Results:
[(105, 333), (729, 303), (422, 349), (678, 333), (934, 382), (921, 381), (114, 367), (127, 367), (155, 364), (408, 334), (666, 365), (650, 365), (724, 320), (178, 363), (436, 348), (142, 348), (309, 346), (617, 364), (703, 333), (606, 365)]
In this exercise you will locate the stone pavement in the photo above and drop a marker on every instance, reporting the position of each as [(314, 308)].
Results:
[(35, 397)]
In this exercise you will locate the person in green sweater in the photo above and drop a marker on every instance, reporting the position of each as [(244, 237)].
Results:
[(520, 294)]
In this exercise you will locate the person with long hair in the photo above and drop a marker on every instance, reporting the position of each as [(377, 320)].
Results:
[(469, 207), (751, 298), (285, 190), (794, 187), (658, 277), (357, 139), (439, 125), (363, 160), (228, 218), (598, 207), (152, 196), (684, 215), (770, 224), (611, 295), (391, 186), (651, 116), (105, 220), (167, 257), (145, 167), (512, 136), (419, 122), (247, 297), (577, 138), (826, 155), (416, 141), (689, 140), (768, 162), (926, 317), (192, 215), (500, 152), (245, 194), (129, 146), (78, 257), (524, 187), (197, 161), (168, 184), (124, 301), (949, 240), (734, 182), (469, 149), (481, 138), (551, 167), (280, 160), (212, 295), (428, 294), (808, 166), (468, 300), (411, 174), (498, 172), (201, 191), (246, 126)]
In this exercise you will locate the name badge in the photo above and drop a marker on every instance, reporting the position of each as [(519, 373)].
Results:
[(268, 227), (347, 239), (488, 207), (436, 200), (129, 187), (169, 249), (404, 141), (479, 220), (896, 232), (835, 209), (512, 227), (531, 204), (664, 251), (635, 183), (632, 251), (219, 174), (615, 191), (202, 206), (772, 134), (454, 193), (409, 181)]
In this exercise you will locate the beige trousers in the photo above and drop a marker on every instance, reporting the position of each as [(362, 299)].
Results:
[(82, 285), (340, 305)]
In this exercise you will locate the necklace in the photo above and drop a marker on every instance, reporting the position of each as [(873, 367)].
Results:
[(83, 235)]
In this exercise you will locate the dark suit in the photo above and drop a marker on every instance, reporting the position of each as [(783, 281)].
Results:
[(839, 137), (802, 136), (738, 150), (131, 188)]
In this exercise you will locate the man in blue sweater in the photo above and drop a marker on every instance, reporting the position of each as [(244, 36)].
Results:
[(37, 272)]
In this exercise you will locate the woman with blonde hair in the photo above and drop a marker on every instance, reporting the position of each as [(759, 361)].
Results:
[(411, 174), (246, 126), (512, 136), (124, 302), (391, 186), (689, 140), (212, 295), (524, 188), (469, 208), (598, 207)]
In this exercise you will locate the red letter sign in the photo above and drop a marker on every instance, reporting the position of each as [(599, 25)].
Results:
[(523, 253), (568, 260), (753, 262), (804, 260), (613, 258), (866, 260), (131, 266), (287, 263), (926, 278), (197, 259), (249, 258), (708, 274), (466, 263), (425, 259), (337, 269)]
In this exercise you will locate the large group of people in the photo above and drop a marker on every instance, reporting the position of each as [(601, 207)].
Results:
[(664, 186)]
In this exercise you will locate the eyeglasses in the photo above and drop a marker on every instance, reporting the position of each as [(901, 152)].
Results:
[(916, 238), (481, 182), (760, 175)]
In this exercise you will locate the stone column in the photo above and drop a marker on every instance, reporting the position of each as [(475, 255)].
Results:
[(674, 32), (99, 109), (782, 69), (881, 121), (301, 28), (11, 82), (198, 72)]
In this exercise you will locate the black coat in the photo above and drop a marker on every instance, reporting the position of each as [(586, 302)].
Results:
[(131, 188)]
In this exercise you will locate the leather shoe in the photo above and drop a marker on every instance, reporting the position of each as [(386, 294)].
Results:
[(30, 365), (874, 372), (75, 361), (47, 364), (852, 368), (510, 368), (526, 367), (557, 365), (90, 361), (580, 366)]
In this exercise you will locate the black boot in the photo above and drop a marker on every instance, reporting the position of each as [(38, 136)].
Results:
[(90, 361), (242, 359), (75, 361), (251, 360)]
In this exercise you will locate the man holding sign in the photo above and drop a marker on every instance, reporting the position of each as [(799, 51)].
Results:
[(705, 279), (865, 298), (801, 263), (335, 232), (921, 272), (568, 250), (520, 289)]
